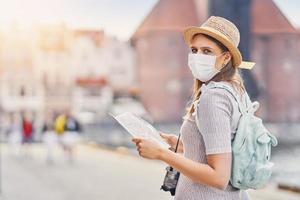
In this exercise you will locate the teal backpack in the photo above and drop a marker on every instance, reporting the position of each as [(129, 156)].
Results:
[(251, 146)]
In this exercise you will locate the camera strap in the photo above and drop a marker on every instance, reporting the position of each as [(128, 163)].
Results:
[(171, 168), (177, 142)]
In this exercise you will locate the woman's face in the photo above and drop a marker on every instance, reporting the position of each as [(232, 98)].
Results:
[(202, 45)]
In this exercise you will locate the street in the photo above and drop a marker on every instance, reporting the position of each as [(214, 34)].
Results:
[(95, 174)]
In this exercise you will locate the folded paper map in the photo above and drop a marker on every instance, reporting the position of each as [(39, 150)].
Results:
[(138, 127)]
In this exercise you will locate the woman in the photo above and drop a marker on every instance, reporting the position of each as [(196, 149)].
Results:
[(205, 165)]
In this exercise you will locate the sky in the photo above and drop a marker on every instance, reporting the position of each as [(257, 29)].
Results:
[(117, 17)]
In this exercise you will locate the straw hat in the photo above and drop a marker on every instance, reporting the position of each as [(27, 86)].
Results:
[(225, 32)]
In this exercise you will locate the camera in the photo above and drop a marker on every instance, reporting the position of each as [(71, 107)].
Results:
[(170, 181), (172, 176)]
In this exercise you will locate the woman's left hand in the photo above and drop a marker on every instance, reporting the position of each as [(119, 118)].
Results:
[(148, 148)]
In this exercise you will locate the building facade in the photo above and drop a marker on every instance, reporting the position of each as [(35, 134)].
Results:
[(54, 69), (166, 82)]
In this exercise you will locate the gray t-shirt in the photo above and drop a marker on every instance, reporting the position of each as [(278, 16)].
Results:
[(218, 116)]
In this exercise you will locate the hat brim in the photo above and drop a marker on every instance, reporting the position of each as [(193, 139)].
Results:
[(236, 54)]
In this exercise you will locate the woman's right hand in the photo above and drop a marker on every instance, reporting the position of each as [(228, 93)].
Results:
[(171, 139)]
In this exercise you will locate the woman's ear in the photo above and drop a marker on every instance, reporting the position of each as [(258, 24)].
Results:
[(227, 58)]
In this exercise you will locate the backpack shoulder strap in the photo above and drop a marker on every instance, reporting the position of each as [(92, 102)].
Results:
[(242, 107)]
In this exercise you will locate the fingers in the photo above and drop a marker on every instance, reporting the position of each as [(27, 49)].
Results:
[(138, 143), (139, 149), (163, 135), (136, 140), (167, 137), (172, 149)]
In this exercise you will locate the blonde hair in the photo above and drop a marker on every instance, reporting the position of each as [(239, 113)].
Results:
[(228, 73)]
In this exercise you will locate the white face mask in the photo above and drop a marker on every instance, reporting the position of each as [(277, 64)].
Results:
[(202, 66)]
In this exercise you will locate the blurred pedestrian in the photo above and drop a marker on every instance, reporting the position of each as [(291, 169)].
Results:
[(50, 140), (60, 123), (27, 133), (27, 126), (71, 136), (15, 134)]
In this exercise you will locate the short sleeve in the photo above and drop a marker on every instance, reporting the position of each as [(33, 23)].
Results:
[(214, 112)]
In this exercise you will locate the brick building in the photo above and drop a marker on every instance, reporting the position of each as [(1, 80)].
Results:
[(166, 82), (275, 49)]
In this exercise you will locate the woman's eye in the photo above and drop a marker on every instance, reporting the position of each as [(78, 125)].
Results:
[(206, 51), (194, 50)]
